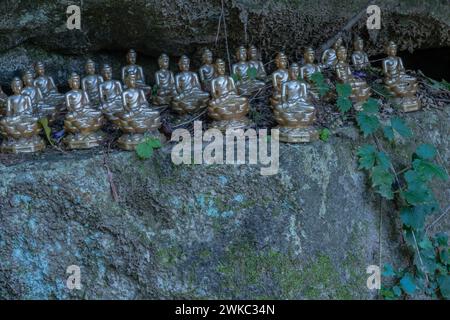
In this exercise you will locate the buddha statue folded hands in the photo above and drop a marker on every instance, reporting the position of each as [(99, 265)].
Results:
[(360, 89), (255, 62), (329, 56), (91, 82), (19, 127), (40, 108), (82, 122), (294, 114), (401, 85), (138, 120), (279, 77), (245, 84), (227, 109), (360, 60), (110, 94), (308, 69), (165, 83), (206, 71), (190, 97), (133, 68), (47, 86)]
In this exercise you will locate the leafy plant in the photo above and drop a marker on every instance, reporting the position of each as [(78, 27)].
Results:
[(324, 134), (319, 82), (155, 90), (236, 77), (144, 150), (344, 91), (47, 130)]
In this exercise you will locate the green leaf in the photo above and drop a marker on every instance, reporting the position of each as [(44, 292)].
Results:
[(367, 156), (441, 239), (47, 130), (155, 90), (252, 73), (370, 106), (400, 126), (426, 151), (236, 77), (154, 143), (387, 293), (324, 134), (343, 90), (383, 160), (144, 150), (397, 291), (412, 218), (344, 104), (426, 244), (407, 284), (444, 285), (388, 270), (319, 82), (382, 179), (368, 124), (428, 170), (388, 133)]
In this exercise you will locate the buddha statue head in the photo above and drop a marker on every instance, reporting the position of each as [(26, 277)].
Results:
[(338, 43), (220, 67), (131, 56), (391, 49), (341, 54), (252, 53), (16, 85), (294, 71), (308, 55), (358, 44), (241, 54), (281, 60), (207, 56), (184, 63), (131, 80), (39, 68), (74, 81), (107, 72), (163, 61), (90, 67), (28, 78)]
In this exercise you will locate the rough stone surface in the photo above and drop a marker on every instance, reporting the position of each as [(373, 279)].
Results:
[(31, 30), (196, 231)]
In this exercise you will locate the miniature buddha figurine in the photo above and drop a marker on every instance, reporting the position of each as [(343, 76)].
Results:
[(40, 108), (137, 121), (47, 87), (82, 122), (329, 58), (360, 60), (165, 83), (244, 84), (132, 67), (190, 97), (360, 89), (91, 82), (280, 76), (295, 115), (255, 62), (206, 71), (401, 85), (226, 108), (19, 127), (308, 69), (3, 99), (110, 93)]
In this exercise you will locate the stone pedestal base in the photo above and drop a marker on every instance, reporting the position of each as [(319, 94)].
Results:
[(223, 125), (129, 141), (26, 145), (84, 141), (407, 104), (298, 135)]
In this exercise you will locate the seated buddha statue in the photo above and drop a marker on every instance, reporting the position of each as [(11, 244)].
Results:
[(280, 76), (360, 60), (226, 107), (91, 82), (245, 85), (165, 83), (255, 62), (138, 120), (19, 127), (41, 109), (83, 122), (206, 71), (308, 69), (360, 89), (401, 85), (132, 67), (294, 114), (190, 97), (110, 94), (47, 87), (3, 99), (329, 56)]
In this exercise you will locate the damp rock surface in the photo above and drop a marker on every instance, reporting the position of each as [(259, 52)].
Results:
[(197, 231)]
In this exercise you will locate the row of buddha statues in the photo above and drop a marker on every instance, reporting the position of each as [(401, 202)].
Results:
[(133, 107)]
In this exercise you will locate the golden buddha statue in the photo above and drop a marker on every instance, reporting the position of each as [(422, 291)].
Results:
[(255, 62), (165, 82), (137, 121), (206, 71), (190, 97), (294, 114), (280, 76), (91, 82), (47, 87), (360, 89), (132, 67), (360, 60), (40, 108), (401, 85), (308, 69), (329, 56), (82, 122), (110, 94), (19, 127), (226, 108), (244, 84)]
